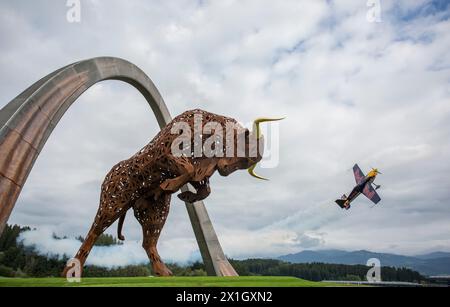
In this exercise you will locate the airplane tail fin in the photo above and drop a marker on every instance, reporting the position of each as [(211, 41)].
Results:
[(341, 203)]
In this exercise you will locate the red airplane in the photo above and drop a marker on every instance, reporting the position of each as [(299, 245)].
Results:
[(363, 185)]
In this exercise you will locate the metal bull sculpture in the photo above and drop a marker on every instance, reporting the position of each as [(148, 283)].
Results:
[(146, 181)]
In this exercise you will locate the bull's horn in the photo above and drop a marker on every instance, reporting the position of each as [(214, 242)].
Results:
[(257, 131), (257, 128), (251, 171)]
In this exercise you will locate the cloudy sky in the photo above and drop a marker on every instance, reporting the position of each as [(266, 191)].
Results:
[(376, 93)]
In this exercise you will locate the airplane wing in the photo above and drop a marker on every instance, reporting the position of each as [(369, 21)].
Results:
[(371, 194), (359, 175)]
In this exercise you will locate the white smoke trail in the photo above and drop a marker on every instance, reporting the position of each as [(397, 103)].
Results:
[(292, 234), (129, 253)]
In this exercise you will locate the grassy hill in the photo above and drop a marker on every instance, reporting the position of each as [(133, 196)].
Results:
[(245, 281)]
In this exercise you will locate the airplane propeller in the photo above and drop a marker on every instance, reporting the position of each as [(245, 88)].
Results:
[(377, 171)]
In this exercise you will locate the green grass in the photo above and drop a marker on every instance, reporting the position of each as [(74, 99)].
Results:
[(247, 281)]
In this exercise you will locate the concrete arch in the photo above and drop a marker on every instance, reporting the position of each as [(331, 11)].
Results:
[(28, 120)]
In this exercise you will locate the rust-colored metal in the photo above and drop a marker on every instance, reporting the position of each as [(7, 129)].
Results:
[(28, 120), (146, 181)]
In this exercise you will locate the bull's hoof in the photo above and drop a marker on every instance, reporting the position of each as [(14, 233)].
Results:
[(160, 269), (65, 271), (188, 197), (68, 268)]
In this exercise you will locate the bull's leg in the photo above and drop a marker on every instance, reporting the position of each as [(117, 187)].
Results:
[(182, 169), (152, 215), (84, 250), (173, 185), (203, 191), (103, 219)]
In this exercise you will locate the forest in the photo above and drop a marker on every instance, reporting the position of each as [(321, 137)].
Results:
[(17, 260)]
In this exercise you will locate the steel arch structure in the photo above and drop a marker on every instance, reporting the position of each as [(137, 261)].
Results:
[(27, 122)]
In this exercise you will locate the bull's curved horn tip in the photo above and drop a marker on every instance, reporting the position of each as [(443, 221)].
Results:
[(252, 173)]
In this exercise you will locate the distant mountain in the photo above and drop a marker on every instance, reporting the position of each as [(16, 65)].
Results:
[(437, 263), (434, 255)]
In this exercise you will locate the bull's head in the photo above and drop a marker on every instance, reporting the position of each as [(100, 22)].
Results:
[(254, 150)]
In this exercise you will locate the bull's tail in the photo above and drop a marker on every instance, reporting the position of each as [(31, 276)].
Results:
[(119, 227)]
